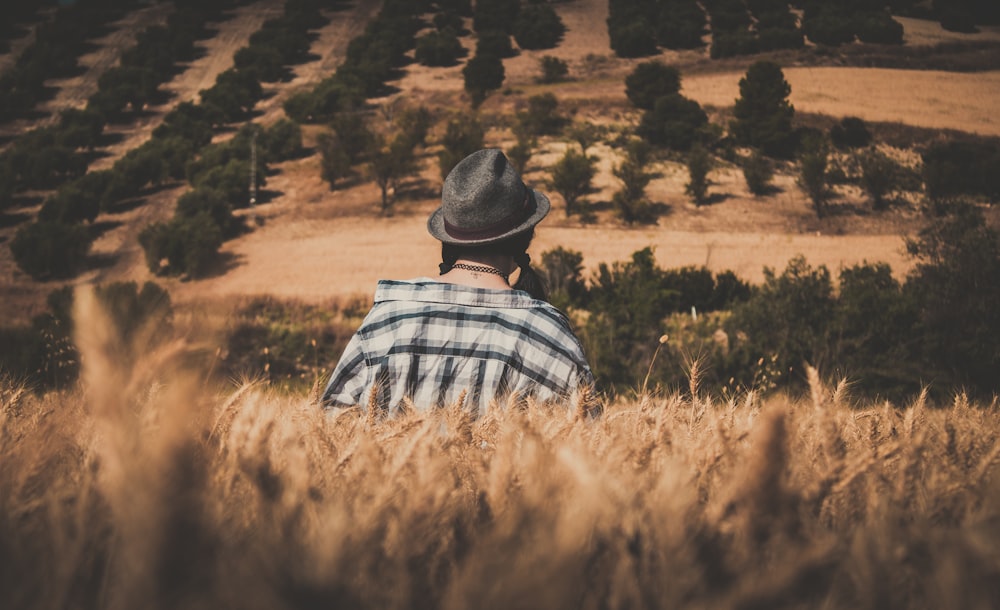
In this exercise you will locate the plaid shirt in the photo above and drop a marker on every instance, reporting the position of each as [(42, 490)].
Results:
[(429, 341)]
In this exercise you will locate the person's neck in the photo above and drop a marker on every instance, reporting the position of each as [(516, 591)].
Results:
[(481, 278)]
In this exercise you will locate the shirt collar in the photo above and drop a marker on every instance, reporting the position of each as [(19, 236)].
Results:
[(427, 290)]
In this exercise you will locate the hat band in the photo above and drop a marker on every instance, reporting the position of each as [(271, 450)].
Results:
[(498, 228)]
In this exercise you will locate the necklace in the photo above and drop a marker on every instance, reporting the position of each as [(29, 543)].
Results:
[(481, 269)]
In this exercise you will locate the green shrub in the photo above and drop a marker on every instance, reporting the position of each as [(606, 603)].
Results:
[(562, 272), (439, 48), (339, 93), (490, 14), (956, 18), (80, 128), (787, 319), (463, 136), (185, 245), (538, 26), (206, 200), (482, 74), (813, 162), (51, 249), (449, 21), (763, 115), (828, 26), (730, 44), (232, 97), (289, 343), (758, 173), (675, 122), (70, 205), (263, 62), (542, 116), (699, 163), (353, 135), (628, 302), (232, 180), (282, 141), (553, 69), (878, 27), (728, 17), (850, 132), (879, 176), (189, 122), (494, 43), (872, 331), (772, 39), (962, 167), (633, 39), (572, 177), (649, 81), (680, 25), (335, 162), (630, 200), (954, 284)]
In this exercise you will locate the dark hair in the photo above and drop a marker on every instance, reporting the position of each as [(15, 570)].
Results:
[(515, 247)]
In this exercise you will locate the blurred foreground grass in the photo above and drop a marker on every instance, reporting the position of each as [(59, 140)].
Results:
[(144, 489)]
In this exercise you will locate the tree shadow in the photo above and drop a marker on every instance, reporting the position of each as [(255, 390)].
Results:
[(25, 201), (302, 153), (716, 198), (161, 96), (99, 228), (126, 205), (768, 190), (419, 188), (8, 220), (224, 263), (198, 51), (601, 206), (660, 209), (46, 94), (268, 195), (107, 139), (348, 181), (101, 261), (385, 90)]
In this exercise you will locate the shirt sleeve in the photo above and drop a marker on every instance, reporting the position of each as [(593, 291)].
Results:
[(349, 378)]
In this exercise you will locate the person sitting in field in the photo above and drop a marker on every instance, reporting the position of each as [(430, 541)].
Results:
[(467, 335)]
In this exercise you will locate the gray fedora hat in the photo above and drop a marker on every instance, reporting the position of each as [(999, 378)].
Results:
[(484, 201)]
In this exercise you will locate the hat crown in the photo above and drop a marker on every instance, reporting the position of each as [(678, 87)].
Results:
[(484, 201), (482, 191)]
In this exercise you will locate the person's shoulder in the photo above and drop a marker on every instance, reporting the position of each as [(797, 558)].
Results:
[(550, 311), (543, 313)]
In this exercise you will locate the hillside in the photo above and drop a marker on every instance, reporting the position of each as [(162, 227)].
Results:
[(311, 243)]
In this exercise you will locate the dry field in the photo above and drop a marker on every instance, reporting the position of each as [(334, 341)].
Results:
[(145, 488)]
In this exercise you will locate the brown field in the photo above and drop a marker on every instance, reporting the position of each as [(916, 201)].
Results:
[(149, 489), (939, 100)]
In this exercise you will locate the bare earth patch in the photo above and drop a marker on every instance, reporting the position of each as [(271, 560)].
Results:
[(939, 100)]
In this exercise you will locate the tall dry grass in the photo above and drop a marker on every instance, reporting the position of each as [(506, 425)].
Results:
[(145, 489)]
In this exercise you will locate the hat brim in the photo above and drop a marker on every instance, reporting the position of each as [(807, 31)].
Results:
[(435, 225)]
